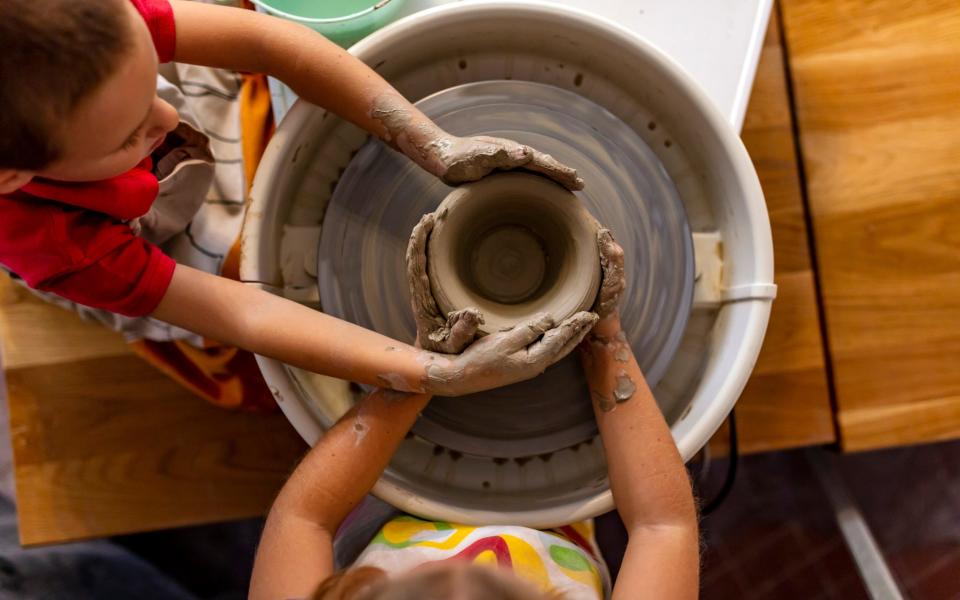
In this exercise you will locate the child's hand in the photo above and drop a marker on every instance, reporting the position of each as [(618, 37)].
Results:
[(613, 282), (435, 333), (455, 159), (458, 160), (516, 354), (498, 359)]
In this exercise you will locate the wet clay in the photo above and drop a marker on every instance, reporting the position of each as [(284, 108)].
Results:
[(625, 387), (604, 403), (513, 245), (436, 333), (617, 347), (515, 354), (360, 430), (640, 204), (622, 354), (395, 381), (611, 264), (459, 159)]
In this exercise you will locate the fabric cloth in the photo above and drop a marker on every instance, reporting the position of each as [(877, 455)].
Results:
[(564, 560)]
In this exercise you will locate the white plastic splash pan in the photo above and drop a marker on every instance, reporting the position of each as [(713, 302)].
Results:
[(467, 42)]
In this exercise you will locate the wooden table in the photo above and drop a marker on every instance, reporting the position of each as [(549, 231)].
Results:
[(877, 90), (104, 444)]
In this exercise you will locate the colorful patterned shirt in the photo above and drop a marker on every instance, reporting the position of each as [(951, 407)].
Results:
[(564, 560)]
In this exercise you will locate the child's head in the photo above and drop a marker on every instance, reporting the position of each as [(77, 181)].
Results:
[(78, 100), (437, 581)]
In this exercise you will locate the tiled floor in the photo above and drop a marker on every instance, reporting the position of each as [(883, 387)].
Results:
[(911, 498), (775, 536)]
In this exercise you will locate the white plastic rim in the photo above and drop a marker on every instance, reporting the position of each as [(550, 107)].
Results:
[(717, 161)]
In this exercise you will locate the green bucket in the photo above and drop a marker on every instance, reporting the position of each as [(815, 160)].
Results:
[(344, 22)]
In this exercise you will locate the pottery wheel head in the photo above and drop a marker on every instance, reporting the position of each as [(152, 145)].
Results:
[(514, 245), (382, 195), (506, 264)]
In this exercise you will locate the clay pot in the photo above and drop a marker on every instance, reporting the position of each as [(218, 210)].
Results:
[(514, 245)]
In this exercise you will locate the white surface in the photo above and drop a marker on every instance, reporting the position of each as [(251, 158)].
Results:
[(717, 42), (698, 148)]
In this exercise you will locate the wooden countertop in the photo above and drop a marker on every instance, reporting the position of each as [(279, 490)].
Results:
[(104, 444), (877, 89)]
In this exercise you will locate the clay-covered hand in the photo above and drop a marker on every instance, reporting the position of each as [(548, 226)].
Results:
[(458, 160), (516, 354), (436, 333), (613, 282), (455, 159)]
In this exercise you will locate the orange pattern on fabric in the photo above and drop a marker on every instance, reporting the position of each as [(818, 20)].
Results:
[(223, 375)]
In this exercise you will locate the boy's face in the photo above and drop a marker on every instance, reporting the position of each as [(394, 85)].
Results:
[(121, 122)]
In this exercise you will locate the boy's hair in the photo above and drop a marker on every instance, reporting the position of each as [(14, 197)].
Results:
[(53, 54)]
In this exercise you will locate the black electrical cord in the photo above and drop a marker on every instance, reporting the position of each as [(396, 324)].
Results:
[(731, 475)]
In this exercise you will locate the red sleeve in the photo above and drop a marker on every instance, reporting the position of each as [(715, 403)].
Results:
[(83, 256), (158, 15)]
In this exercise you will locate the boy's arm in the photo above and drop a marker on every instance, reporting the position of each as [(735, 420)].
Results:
[(326, 75), (296, 548), (650, 485), (241, 315)]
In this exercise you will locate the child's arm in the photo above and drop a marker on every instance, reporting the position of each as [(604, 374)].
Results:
[(326, 75), (296, 548), (258, 321), (649, 482)]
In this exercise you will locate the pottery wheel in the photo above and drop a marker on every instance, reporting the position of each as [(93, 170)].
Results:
[(382, 195)]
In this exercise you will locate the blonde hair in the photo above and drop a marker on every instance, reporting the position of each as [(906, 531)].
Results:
[(443, 581)]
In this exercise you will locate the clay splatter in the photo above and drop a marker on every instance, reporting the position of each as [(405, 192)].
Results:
[(622, 354), (391, 348), (360, 430), (394, 381), (625, 388), (604, 403)]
